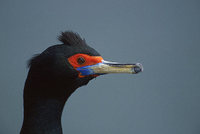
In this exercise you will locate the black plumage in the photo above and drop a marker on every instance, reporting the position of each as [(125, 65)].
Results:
[(55, 74), (50, 81)]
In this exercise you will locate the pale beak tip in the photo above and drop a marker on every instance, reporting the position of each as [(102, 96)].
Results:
[(138, 68)]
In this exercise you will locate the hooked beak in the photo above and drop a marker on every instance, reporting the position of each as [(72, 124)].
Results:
[(107, 67)]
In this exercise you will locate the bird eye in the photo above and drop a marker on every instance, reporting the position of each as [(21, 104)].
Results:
[(81, 60)]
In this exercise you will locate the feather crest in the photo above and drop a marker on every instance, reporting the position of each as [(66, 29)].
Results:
[(71, 38)]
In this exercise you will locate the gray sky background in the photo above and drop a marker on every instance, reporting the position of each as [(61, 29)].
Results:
[(163, 35)]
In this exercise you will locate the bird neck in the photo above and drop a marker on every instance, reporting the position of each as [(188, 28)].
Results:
[(42, 116), (43, 107)]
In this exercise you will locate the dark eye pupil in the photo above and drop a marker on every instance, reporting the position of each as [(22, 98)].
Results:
[(81, 60)]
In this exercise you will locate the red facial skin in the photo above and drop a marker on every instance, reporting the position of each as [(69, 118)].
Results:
[(89, 60)]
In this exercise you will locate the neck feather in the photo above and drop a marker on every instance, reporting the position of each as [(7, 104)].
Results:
[(42, 107), (43, 117), (44, 99)]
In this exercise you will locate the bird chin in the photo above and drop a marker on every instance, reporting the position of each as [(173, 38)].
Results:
[(85, 80)]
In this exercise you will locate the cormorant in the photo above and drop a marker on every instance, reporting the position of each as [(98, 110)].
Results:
[(55, 74)]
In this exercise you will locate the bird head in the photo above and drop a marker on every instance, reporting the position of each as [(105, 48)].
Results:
[(73, 64)]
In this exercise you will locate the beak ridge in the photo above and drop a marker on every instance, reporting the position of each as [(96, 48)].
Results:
[(107, 67)]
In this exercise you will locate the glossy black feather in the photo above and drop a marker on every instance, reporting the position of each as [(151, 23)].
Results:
[(50, 81), (71, 38)]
